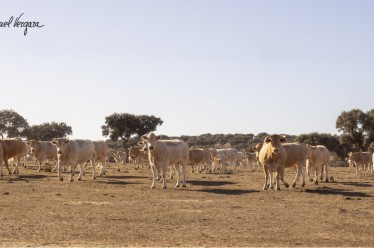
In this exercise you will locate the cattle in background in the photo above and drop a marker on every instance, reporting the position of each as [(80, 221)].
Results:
[(224, 157), (43, 150), (318, 159), (74, 152), (252, 160), (101, 149), (136, 155), (362, 160), (163, 153), (199, 157), (13, 148), (241, 159), (273, 157)]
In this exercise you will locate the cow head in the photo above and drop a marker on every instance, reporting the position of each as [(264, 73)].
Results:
[(60, 143), (150, 141), (275, 141)]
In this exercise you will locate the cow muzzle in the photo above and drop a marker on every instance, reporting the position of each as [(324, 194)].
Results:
[(151, 148), (59, 152)]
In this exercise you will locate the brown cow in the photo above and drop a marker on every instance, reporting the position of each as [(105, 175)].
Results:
[(199, 156), (13, 148), (273, 157)]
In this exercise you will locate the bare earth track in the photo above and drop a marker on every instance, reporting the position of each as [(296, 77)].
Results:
[(119, 209)]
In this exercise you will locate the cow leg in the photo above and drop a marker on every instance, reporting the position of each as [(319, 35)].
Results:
[(281, 177), (155, 176), (59, 170), (177, 169), (278, 175), (303, 176), (164, 168), (72, 171), (267, 178), (270, 179), (184, 168), (7, 166), (40, 167), (316, 176), (15, 170), (171, 172)]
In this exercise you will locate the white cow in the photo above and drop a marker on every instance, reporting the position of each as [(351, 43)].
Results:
[(43, 150), (162, 153), (74, 152), (318, 159)]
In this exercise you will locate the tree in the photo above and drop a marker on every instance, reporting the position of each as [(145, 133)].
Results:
[(48, 131), (123, 126), (12, 124), (357, 128)]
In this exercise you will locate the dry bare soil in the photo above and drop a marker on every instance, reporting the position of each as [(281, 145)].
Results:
[(119, 209)]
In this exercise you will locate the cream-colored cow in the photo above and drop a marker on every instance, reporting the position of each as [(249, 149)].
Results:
[(163, 153)]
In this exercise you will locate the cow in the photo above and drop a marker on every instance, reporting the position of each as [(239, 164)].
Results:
[(297, 154), (199, 156), (252, 160), (361, 160), (101, 149), (13, 148), (162, 153), (318, 159), (136, 155), (225, 156), (75, 152), (273, 157), (241, 159), (43, 150)]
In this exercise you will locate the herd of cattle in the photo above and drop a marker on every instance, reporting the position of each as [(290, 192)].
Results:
[(273, 155)]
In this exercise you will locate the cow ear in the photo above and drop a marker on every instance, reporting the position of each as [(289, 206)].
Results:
[(54, 142), (66, 141), (144, 137), (140, 143), (283, 138), (267, 139), (158, 137)]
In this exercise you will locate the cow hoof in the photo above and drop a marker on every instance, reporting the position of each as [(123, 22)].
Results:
[(277, 189), (332, 179), (294, 185), (310, 179), (184, 186), (316, 182), (61, 179), (287, 185), (79, 179), (303, 185)]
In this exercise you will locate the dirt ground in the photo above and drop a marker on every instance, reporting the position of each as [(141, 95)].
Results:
[(119, 209)]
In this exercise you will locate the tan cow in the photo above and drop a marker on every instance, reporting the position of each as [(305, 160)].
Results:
[(198, 156), (101, 149), (273, 157), (252, 160), (297, 154), (136, 155), (13, 148), (74, 152), (163, 153), (225, 157), (43, 150), (318, 159), (362, 160)]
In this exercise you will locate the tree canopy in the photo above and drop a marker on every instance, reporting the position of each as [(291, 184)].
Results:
[(124, 125), (48, 131), (12, 124)]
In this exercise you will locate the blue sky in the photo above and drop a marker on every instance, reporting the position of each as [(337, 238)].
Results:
[(202, 66)]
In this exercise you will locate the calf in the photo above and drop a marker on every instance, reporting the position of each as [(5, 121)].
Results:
[(43, 150)]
